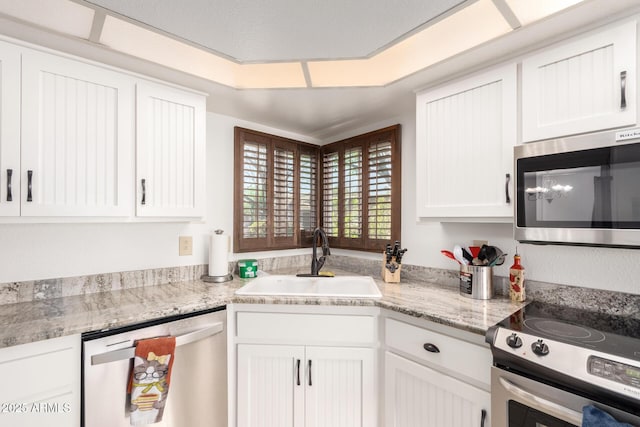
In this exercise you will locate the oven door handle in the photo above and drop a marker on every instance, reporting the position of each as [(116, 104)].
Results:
[(129, 352), (543, 405)]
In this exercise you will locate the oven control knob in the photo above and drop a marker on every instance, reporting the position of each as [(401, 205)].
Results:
[(514, 341), (540, 348)]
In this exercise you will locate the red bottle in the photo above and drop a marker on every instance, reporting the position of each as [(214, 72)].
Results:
[(516, 280)]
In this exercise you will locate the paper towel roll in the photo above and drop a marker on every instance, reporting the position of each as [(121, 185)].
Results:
[(219, 245)]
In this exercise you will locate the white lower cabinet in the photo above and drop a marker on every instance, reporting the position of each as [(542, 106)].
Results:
[(417, 396), (269, 393), (41, 383), (280, 386), (306, 369), (433, 379)]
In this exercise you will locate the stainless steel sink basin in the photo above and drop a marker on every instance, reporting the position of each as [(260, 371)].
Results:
[(340, 286)]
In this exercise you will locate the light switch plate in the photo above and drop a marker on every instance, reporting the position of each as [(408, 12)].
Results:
[(185, 245), (479, 243)]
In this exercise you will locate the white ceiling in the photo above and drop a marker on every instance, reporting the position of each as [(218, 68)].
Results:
[(319, 114), (284, 30)]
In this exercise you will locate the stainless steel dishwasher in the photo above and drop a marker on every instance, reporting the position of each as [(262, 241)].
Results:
[(198, 391)]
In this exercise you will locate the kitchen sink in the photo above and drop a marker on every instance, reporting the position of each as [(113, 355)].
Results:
[(341, 286)]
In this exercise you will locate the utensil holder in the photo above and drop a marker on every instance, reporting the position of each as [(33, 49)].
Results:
[(387, 275), (476, 281)]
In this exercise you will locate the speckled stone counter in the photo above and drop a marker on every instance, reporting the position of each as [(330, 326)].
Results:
[(25, 322)]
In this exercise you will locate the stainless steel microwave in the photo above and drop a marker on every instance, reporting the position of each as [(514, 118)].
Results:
[(582, 190)]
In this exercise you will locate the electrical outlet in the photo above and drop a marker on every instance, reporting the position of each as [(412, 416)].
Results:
[(185, 245), (479, 243)]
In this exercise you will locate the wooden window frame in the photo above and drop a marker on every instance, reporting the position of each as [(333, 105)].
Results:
[(364, 243), (303, 238), (270, 242)]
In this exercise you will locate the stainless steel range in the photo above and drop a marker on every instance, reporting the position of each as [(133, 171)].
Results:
[(551, 361)]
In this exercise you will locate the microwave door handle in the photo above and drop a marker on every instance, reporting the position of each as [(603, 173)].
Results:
[(129, 352), (623, 90), (506, 188), (543, 405)]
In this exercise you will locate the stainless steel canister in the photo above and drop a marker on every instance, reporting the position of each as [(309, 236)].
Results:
[(476, 281)]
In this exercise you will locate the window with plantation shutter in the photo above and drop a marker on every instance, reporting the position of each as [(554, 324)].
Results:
[(254, 190), (330, 196), (308, 194), (276, 198), (285, 189), (361, 190), (353, 193), (379, 191), (283, 193)]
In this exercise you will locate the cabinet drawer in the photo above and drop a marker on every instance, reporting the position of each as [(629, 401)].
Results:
[(310, 328), (455, 355), (43, 371)]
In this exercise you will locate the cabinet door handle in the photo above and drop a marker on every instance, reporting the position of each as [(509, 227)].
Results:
[(506, 188), (298, 371), (431, 348), (623, 90), (9, 175), (29, 186), (144, 192), (310, 372), (483, 416)]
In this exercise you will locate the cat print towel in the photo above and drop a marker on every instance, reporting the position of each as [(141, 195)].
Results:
[(149, 379)]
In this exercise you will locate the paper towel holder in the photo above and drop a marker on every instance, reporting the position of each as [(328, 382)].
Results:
[(217, 279)]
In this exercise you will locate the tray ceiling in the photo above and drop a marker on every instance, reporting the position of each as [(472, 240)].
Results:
[(284, 30)]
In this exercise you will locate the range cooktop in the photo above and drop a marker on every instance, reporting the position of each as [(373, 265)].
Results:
[(574, 346), (607, 333)]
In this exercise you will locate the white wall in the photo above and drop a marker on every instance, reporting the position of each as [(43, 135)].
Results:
[(600, 268), (42, 251), (39, 251)]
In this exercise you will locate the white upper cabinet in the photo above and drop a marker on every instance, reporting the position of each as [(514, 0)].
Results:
[(9, 130), (170, 152), (77, 138), (583, 85), (465, 135)]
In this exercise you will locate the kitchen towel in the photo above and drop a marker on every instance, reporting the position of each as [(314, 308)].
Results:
[(149, 379), (218, 254), (594, 417)]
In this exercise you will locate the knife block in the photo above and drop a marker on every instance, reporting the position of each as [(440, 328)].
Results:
[(387, 275)]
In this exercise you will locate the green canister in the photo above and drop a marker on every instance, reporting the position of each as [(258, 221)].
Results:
[(247, 268)]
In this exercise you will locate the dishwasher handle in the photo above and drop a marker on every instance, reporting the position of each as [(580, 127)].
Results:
[(129, 352)]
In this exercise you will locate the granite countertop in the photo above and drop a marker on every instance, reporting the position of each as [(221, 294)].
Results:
[(38, 320)]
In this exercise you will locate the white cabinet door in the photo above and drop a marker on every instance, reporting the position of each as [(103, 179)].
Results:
[(340, 387), (9, 130), (270, 384), (465, 133), (416, 396), (77, 138), (170, 152), (296, 386), (583, 85), (41, 383)]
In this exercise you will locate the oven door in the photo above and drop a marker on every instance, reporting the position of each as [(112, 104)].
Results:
[(517, 401)]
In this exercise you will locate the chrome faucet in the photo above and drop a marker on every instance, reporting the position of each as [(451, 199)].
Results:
[(317, 263)]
